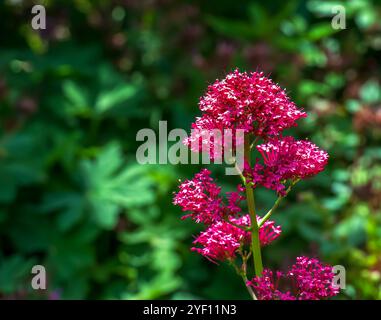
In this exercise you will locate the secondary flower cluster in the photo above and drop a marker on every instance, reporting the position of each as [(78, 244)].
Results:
[(284, 159), (308, 278), (201, 197), (220, 241), (247, 101)]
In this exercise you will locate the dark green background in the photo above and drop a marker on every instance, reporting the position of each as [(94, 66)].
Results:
[(73, 96)]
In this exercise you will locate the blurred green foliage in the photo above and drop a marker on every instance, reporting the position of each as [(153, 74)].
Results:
[(73, 96)]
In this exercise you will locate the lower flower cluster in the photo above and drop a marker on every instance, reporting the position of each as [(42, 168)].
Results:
[(221, 240), (308, 279), (227, 229)]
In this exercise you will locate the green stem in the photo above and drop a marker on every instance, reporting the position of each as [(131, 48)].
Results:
[(254, 142), (243, 274), (240, 173), (255, 244), (276, 204), (270, 212), (250, 290)]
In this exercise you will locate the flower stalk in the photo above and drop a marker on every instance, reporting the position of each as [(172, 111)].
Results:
[(255, 243)]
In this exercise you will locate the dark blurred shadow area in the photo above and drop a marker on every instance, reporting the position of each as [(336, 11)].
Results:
[(74, 95)]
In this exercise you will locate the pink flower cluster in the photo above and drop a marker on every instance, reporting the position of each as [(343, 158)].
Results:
[(200, 196), (268, 232), (308, 278), (247, 101), (221, 240), (286, 158)]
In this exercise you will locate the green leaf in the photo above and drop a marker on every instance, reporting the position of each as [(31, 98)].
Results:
[(14, 274), (70, 206), (77, 100), (352, 229), (110, 99), (19, 166), (112, 187)]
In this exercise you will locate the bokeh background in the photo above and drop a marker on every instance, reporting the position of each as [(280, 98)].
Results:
[(73, 96)]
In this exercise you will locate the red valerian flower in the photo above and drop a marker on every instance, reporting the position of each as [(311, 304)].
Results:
[(247, 101), (309, 279), (284, 159), (234, 200), (268, 232), (313, 279), (200, 196), (221, 240), (266, 286)]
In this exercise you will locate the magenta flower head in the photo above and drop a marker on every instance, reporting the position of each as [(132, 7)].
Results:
[(247, 101), (268, 232), (287, 159), (221, 240), (201, 197), (308, 279), (252, 104)]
